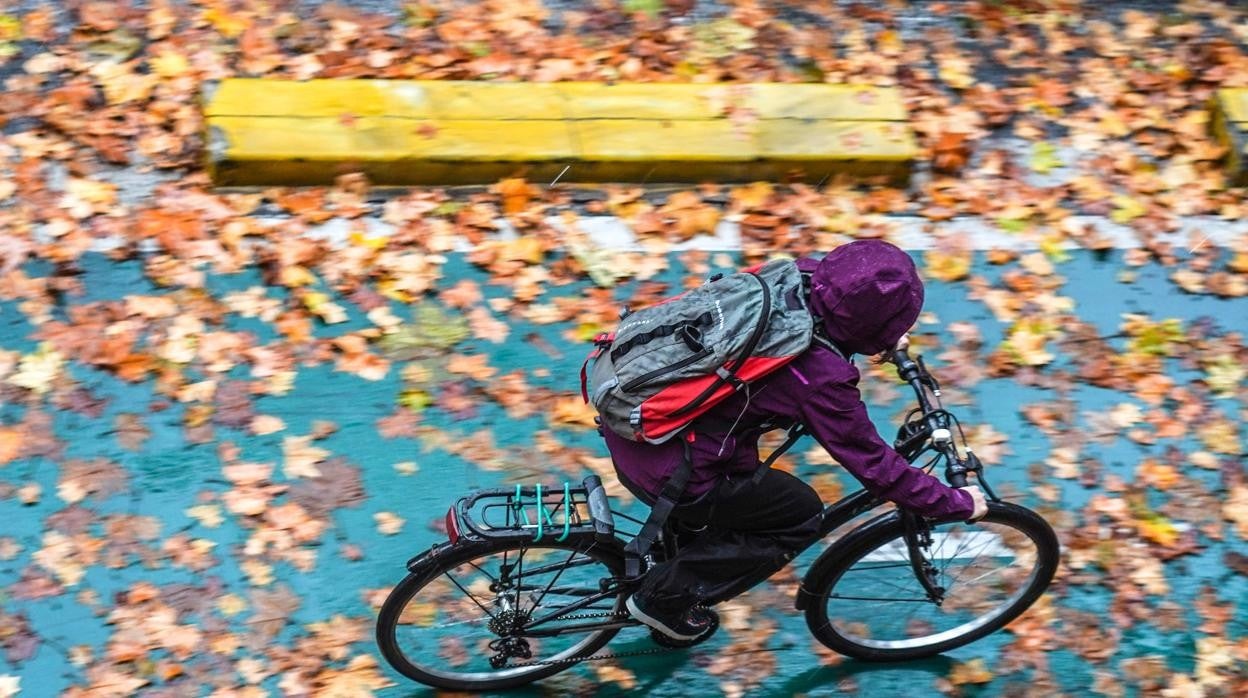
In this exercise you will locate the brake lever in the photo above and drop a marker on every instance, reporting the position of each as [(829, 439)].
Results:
[(975, 465)]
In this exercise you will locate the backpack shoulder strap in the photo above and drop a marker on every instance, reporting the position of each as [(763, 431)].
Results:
[(796, 432), (673, 488)]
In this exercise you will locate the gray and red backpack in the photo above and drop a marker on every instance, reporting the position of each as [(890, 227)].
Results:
[(667, 364)]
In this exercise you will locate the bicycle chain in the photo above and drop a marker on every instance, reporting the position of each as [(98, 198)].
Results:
[(596, 657)]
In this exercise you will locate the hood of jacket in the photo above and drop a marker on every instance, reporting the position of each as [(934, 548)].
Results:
[(868, 293)]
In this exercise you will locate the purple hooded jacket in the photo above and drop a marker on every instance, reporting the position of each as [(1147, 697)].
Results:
[(868, 294)]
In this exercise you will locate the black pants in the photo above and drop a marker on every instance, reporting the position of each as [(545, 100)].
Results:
[(752, 531)]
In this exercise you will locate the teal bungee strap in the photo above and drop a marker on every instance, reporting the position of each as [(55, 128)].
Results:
[(542, 514), (567, 518), (541, 509), (519, 504)]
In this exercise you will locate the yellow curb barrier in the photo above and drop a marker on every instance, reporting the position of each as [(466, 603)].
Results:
[(1230, 127), (407, 132)]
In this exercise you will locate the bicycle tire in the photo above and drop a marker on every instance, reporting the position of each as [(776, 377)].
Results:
[(434, 669), (847, 632)]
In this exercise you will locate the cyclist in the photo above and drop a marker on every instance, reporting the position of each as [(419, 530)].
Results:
[(868, 295)]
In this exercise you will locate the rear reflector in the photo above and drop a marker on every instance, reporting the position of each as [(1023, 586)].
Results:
[(452, 526)]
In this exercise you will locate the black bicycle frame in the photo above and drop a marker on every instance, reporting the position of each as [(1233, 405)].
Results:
[(846, 510), (835, 516)]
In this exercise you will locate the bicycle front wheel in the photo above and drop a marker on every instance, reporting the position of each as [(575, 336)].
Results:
[(866, 601), (492, 615)]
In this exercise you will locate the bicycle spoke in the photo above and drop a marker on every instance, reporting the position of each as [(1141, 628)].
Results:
[(482, 571), (865, 568), (957, 578), (459, 622), (876, 598), (895, 585), (519, 576), (961, 545), (986, 574), (467, 593), (537, 601)]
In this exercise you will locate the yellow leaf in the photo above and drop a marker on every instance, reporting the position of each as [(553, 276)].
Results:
[(293, 276), (1235, 509), (300, 457), (170, 64), (752, 195), (230, 24), (1158, 475), (258, 573), (601, 265), (1224, 374), (1158, 529), (10, 28), (231, 605), (208, 515), (329, 312), (1052, 247), (1220, 436), (587, 331), (973, 671), (956, 72), (387, 523), (363, 240), (37, 370), (1026, 344), (91, 191), (948, 266), (121, 84), (527, 250), (1127, 209)]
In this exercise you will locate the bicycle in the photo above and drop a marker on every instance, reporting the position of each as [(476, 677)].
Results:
[(547, 592)]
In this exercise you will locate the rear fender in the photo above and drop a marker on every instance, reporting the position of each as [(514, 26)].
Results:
[(430, 555)]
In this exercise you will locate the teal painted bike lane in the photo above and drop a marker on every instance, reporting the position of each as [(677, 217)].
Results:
[(115, 508)]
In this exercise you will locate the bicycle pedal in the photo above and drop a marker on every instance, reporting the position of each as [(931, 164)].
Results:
[(665, 641)]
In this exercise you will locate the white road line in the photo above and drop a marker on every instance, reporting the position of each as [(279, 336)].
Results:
[(910, 233)]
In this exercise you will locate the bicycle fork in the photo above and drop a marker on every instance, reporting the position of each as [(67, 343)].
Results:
[(918, 537)]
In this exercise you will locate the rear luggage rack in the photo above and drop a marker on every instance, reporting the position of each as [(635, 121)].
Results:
[(537, 513)]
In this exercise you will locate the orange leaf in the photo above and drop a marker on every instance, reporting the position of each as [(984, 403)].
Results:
[(306, 203), (1052, 93), (10, 445), (134, 367), (473, 366), (572, 410), (516, 193)]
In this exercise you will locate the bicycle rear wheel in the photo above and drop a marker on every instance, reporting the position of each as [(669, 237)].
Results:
[(865, 600), (470, 617)]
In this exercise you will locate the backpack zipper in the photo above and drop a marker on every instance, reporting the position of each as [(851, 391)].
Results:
[(660, 372)]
